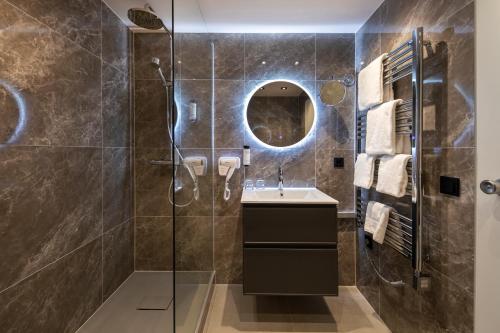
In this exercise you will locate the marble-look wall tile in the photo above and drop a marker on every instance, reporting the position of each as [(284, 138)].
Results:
[(79, 20), (334, 56), (117, 187), (450, 225), (347, 258), (116, 112), (118, 256), (232, 206), (194, 243), (55, 84), (229, 56), (336, 182), (366, 279), (152, 183), (59, 298), (147, 46), (115, 40), (50, 204), (153, 239), (229, 114), (196, 134), (278, 56), (228, 251)]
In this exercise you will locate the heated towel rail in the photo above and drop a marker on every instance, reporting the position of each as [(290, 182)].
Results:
[(404, 233)]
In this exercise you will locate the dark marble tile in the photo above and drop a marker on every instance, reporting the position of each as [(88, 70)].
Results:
[(273, 56), (335, 127), (59, 102), (228, 250), (195, 56), (116, 112), (229, 56), (399, 306), (297, 164), (366, 279), (117, 187), (196, 134), (78, 20), (334, 56), (152, 183), (147, 46), (50, 204), (233, 205), (151, 122), (446, 307), (229, 113), (346, 224), (367, 40), (336, 182), (347, 258), (450, 224), (118, 256), (115, 40), (153, 243), (194, 243), (59, 298)]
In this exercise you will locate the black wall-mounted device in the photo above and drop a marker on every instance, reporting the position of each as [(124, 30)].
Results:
[(449, 185)]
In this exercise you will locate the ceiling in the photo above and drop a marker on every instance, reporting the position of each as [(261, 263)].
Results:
[(254, 16)]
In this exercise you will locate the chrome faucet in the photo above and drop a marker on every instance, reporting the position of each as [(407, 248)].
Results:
[(280, 180)]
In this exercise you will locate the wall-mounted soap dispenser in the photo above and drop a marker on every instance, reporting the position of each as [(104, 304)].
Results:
[(227, 166)]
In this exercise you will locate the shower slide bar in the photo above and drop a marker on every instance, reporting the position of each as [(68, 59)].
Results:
[(404, 234)]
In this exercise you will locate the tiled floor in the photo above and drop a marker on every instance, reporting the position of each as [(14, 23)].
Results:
[(232, 312)]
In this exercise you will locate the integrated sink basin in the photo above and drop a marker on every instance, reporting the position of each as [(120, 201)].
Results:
[(290, 196)]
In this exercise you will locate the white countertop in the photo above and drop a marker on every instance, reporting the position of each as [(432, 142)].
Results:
[(290, 196)]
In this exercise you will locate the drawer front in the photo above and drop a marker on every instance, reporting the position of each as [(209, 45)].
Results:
[(290, 224), (290, 271)]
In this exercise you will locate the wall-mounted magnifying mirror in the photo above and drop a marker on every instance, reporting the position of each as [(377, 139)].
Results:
[(280, 114), (333, 92)]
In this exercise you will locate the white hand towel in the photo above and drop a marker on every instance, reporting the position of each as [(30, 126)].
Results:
[(363, 171), (381, 129), (377, 217), (371, 84), (392, 175)]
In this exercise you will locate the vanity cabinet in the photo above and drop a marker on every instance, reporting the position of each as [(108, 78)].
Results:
[(290, 249)]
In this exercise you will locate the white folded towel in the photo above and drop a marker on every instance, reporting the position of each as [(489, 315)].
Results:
[(381, 129), (377, 217), (392, 175), (371, 84), (363, 171)]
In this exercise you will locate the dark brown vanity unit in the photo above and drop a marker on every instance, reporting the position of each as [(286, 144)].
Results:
[(290, 248)]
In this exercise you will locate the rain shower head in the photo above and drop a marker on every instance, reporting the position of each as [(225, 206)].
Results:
[(146, 18)]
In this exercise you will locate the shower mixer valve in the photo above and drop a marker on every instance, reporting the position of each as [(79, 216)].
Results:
[(227, 166)]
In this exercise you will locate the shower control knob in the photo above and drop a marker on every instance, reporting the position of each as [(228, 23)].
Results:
[(490, 186)]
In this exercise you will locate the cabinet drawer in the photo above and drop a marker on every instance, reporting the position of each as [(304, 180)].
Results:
[(275, 271), (290, 224)]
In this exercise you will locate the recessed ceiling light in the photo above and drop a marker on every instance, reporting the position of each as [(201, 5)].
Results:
[(264, 62), (284, 88), (261, 88), (297, 63)]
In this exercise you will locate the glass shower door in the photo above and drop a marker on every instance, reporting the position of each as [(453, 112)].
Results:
[(194, 167)]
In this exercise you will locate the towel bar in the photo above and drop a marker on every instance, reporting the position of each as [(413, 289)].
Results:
[(404, 233)]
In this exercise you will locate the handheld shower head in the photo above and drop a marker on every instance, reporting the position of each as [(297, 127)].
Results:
[(155, 62)]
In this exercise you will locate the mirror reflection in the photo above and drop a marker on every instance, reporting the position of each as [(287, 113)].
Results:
[(280, 114)]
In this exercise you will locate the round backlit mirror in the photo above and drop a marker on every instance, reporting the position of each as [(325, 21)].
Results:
[(280, 113)]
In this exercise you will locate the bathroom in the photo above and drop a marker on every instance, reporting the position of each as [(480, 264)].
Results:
[(201, 166)]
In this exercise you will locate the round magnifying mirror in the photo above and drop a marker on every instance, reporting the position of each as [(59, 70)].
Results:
[(280, 114), (333, 93)]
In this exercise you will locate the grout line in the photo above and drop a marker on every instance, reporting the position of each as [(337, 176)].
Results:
[(102, 166)]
